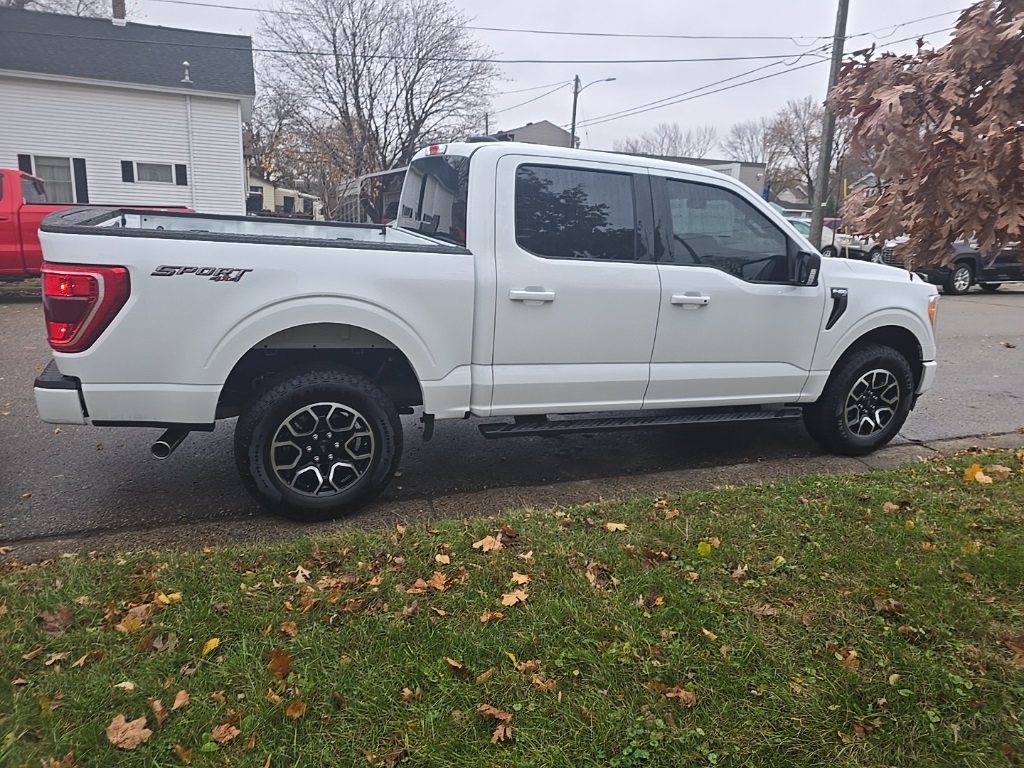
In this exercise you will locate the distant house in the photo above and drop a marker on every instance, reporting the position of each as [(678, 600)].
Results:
[(111, 112), (751, 174), (543, 132), (267, 198)]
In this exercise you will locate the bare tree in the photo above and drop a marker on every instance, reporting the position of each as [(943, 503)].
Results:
[(755, 141), (797, 128), (669, 140), (379, 77), (945, 128), (96, 8)]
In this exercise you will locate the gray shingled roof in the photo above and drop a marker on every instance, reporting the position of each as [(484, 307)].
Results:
[(96, 49)]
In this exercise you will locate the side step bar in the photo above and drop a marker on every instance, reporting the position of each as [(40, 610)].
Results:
[(579, 426)]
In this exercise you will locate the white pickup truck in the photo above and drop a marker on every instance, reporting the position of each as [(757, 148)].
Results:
[(518, 283)]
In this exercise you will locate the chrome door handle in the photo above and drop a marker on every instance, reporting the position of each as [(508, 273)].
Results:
[(691, 300), (531, 295)]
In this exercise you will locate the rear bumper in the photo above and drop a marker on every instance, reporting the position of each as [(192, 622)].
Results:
[(58, 397)]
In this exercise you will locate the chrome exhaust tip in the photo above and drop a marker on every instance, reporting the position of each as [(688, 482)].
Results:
[(168, 442)]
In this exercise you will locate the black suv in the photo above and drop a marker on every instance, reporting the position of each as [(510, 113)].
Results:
[(968, 267)]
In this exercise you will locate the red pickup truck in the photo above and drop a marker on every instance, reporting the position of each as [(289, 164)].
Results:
[(23, 206)]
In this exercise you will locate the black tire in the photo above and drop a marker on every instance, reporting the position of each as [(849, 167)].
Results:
[(829, 252), (960, 279), (876, 256), (989, 287), (326, 399), (872, 386)]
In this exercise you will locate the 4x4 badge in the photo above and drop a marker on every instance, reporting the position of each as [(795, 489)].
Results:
[(216, 274)]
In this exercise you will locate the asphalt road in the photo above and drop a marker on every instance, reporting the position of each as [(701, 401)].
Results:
[(77, 481)]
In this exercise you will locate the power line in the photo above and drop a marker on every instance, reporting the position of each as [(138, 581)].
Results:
[(530, 101), (672, 100), (533, 88)]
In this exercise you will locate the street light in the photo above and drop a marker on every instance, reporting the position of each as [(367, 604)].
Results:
[(576, 89)]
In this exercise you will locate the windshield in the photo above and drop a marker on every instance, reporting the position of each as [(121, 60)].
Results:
[(434, 198), (800, 226)]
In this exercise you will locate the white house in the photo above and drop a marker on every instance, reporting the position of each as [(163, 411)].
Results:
[(120, 113), (269, 199)]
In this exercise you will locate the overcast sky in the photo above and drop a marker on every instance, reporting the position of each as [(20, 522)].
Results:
[(810, 22)]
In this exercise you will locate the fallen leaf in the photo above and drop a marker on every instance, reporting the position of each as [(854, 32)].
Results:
[(541, 683), (300, 575), (210, 645), (129, 624), (128, 735), (491, 616), (274, 698), (411, 695), (55, 623), (671, 514), (280, 664), (295, 709), (526, 556), (888, 607), (615, 526), (527, 667), (520, 578), (715, 542), (438, 581), (442, 559), (225, 732), (503, 730), (709, 635), (457, 667), (127, 685), (847, 657), (483, 677), (1017, 646), (218, 696), (890, 507), (184, 755), (514, 597), (999, 472), (488, 544), (289, 628), (32, 654), (181, 699), (68, 761), (53, 658), (763, 611), (159, 711), (685, 697), (1010, 752), (975, 474), (725, 650), (692, 576)]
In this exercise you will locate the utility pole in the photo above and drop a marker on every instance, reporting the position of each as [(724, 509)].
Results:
[(828, 130), (575, 98)]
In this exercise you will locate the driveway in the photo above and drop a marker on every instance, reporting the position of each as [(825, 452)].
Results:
[(77, 481)]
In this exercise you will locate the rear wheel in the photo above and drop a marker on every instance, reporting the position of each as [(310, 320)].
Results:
[(989, 287), (876, 256), (318, 443), (865, 403), (959, 280), (829, 252)]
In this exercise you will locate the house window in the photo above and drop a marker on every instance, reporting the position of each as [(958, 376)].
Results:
[(57, 176), (162, 173)]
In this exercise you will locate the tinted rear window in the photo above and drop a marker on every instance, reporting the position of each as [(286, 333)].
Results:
[(434, 198)]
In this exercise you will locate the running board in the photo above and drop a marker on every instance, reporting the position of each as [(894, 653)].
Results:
[(579, 426)]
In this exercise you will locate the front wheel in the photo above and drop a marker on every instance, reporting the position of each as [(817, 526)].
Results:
[(876, 256), (829, 252), (317, 443), (959, 280), (865, 403)]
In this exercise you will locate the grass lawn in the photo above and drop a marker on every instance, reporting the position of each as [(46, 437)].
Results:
[(825, 621)]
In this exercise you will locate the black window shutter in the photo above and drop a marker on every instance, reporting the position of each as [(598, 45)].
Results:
[(25, 163), (181, 175), (81, 182), (127, 171)]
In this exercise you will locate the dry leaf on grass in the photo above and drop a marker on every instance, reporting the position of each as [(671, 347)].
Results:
[(685, 697), (709, 635), (615, 526), (53, 658), (184, 755), (520, 579), (159, 711), (890, 507), (998, 471), (487, 616), (503, 730), (128, 735), (488, 544), (442, 559), (514, 597), (457, 667), (483, 677), (289, 628), (225, 732), (975, 474), (410, 695), (1017, 646), (68, 761), (295, 709), (210, 645), (280, 664), (32, 654), (181, 699), (55, 623)]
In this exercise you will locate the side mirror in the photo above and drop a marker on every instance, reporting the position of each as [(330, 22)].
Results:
[(804, 268)]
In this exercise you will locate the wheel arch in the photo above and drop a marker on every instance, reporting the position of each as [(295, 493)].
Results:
[(898, 337)]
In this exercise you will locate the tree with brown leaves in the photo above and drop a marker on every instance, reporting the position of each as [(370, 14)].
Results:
[(946, 127)]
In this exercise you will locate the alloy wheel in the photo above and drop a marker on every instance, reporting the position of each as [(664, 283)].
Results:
[(872, 402), (322, 449)]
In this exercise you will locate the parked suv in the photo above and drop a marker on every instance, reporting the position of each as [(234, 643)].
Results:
[(969, 267)]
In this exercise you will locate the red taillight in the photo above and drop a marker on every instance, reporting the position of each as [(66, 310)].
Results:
[(80, 301)]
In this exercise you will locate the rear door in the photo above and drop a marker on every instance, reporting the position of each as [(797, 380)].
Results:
[(30, 216), (10, 242), (577, 288), (1007, 266), (732, 330)]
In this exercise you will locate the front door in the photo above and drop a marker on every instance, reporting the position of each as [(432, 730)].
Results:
[(733, 330), (577, 292)]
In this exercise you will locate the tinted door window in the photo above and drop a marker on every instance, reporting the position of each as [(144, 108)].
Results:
[(569, 213), (714, 227), (33, 191)]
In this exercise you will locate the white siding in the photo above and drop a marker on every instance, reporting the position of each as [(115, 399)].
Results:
[(105, 125)]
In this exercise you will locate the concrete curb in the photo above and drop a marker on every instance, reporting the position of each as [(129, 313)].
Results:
[(257, 529)]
